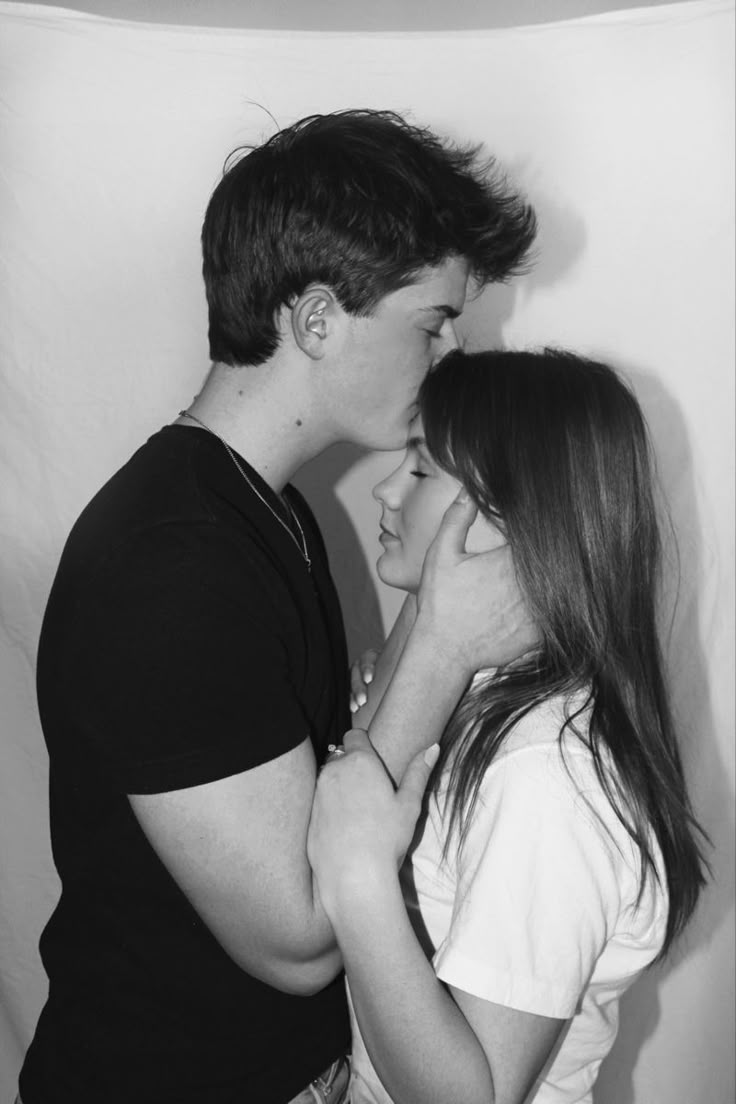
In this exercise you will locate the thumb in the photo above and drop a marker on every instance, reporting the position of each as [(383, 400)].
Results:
[(416, 776), (456, 522)]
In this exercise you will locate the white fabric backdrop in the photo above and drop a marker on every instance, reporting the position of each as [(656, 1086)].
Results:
[(619, 127)]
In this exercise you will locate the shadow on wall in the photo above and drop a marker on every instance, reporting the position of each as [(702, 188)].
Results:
[(349, 564), (561, 240), (688, 674)]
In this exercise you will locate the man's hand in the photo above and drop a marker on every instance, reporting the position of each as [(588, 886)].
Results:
[(472, 604)]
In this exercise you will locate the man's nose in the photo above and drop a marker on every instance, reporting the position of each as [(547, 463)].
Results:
[(450, 339)]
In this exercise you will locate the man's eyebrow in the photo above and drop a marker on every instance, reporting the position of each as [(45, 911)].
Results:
[(444, 308)]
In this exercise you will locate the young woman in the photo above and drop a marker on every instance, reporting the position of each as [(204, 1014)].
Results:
[(557, 854)]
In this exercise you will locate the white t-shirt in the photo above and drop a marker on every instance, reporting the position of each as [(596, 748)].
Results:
[(538, 909)]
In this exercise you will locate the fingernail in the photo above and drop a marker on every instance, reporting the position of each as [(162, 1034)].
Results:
[(462, 495), (368, 678), (361, 698), (432, 754), (354, 706)]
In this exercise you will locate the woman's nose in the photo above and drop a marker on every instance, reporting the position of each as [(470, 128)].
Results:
[(378, 491), (385, 492)]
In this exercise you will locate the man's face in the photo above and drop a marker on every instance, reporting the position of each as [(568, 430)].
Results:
[(384, 358), (413, 501)]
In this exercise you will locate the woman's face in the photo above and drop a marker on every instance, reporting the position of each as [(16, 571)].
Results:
[(414, 499)]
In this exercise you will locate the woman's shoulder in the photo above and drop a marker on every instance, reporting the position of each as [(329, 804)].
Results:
[(547, 758), (559, 723)]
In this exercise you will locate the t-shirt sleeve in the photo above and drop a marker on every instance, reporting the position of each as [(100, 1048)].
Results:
[(180, 663), (537, 890)]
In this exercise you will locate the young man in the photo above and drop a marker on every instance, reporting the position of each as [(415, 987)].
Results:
[(192, 667)]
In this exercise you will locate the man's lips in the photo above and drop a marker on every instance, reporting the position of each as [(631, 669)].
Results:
[(386, 536)]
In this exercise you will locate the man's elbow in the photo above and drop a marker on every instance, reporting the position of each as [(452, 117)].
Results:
[(298, 977), (308, 978)]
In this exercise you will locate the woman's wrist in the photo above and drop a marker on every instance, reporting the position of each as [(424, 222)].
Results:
[(441, 649), (364, 887)]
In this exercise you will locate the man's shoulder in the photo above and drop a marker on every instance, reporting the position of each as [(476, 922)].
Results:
[(156, 485), (164, 507), (155, 538)]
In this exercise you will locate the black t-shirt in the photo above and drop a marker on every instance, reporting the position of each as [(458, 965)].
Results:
[(184, 641)]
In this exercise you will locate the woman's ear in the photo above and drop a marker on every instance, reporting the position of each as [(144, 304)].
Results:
[(313, 317)]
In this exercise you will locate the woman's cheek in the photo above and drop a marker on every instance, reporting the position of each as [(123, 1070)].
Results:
[(484, 536)]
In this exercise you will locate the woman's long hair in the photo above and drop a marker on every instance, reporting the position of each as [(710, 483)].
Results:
[(554, 448)]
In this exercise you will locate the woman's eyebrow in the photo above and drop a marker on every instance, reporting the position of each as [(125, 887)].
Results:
[(418, 445)]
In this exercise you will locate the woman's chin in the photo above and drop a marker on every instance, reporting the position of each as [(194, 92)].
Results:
[(393, 575)]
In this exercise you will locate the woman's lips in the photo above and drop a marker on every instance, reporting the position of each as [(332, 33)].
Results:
[(386, 536)]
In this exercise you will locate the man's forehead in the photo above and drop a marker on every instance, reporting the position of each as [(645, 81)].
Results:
[(443, 287), (440, 289)]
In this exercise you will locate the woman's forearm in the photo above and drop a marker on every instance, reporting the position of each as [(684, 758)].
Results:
[(420, 1043), (426, 685), (387, 662)]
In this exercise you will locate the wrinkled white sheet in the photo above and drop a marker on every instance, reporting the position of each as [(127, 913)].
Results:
[(620, 127)]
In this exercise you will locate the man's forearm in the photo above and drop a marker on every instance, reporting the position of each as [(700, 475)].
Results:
[(236, 847)]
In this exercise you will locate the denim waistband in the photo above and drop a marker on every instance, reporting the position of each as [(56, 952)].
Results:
[(331, 1087)]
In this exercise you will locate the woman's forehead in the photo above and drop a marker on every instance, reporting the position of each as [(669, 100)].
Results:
[(416, 431)]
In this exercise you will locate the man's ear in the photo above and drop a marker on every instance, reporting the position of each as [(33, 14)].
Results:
[(313, 319)]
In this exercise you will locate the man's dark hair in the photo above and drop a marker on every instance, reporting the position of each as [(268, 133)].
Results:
[(359, 200)]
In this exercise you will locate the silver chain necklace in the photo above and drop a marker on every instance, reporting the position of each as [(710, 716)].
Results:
[(301, 546)]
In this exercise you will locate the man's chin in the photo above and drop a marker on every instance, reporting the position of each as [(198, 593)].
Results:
[(393, 443), (394, 437)]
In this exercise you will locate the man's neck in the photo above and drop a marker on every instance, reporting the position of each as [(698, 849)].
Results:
[(262, 415)]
